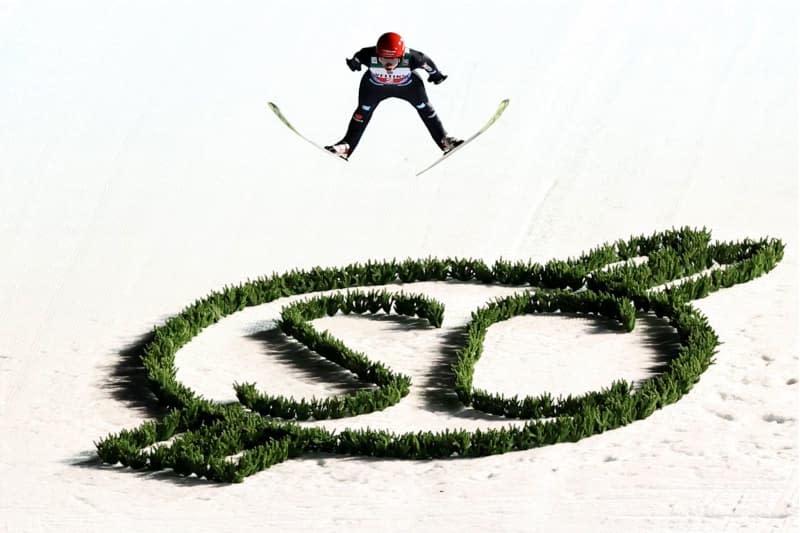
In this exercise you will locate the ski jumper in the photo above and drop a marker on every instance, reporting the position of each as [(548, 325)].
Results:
[(378, 84)]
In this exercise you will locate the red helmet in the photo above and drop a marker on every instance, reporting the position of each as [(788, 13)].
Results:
[(391, 45)]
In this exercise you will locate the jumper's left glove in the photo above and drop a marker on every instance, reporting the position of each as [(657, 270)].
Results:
[(436, 78)]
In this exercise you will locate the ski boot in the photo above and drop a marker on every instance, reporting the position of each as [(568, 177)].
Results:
[(341, 149), (449, 142)]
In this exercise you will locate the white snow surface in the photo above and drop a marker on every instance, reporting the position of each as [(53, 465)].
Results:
[(140, 169)]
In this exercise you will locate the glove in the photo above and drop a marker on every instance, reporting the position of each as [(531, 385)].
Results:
[(436, 78), (354, 64)]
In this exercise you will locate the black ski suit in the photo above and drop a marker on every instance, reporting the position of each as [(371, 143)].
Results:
[(378, 84)]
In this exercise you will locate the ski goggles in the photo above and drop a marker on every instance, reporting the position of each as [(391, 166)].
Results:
[(389, 62)]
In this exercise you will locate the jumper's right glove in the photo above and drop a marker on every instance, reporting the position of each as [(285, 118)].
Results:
[(437, 77), (354, 64)]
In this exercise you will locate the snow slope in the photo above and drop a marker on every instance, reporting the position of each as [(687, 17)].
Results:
[(140, 169)]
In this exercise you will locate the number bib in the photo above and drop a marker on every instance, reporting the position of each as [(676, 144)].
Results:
[(401, 75)]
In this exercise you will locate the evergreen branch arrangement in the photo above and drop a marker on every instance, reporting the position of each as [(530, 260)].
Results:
[(390, 387), (228, 442)]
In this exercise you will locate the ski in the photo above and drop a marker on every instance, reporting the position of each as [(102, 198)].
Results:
[(277, 110), (500, 109)]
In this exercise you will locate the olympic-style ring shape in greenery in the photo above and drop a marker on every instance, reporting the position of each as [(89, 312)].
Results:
[(228, 442)]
